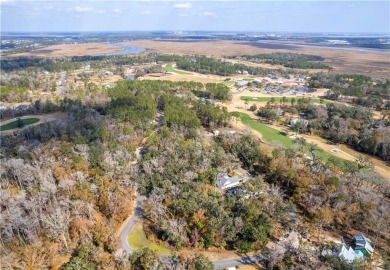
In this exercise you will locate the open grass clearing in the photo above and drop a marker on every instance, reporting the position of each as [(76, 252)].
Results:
[(14, 124), (268, 134), (169, 68), (272, 135), (137, 240), (288, 99), (229, 83)]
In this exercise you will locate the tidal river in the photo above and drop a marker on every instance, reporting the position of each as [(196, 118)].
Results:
[(126, 49)]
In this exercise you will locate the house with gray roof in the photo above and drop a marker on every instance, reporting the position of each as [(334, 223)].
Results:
[(225, 182), (360, 249), (363, 245), (22, 107), (241, 83)]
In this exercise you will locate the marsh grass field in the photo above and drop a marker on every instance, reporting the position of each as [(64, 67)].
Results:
[(65, 50), (352, 61)]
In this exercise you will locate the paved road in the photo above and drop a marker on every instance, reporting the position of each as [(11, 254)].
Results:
[(130, 224), (221, 264)]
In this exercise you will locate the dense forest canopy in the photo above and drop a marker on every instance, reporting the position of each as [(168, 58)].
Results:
[(207, 65), (289, 60), (86, 170), (362, 88)]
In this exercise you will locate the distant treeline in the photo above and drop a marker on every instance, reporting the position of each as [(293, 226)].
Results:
[(200, 64), (208, 65), (375, 43), (69, 63), (7, 46), (285, 57), (362, 88), (11, 64), (290, 60)]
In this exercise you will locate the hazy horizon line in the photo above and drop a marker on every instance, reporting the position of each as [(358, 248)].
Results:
[(205, 31)]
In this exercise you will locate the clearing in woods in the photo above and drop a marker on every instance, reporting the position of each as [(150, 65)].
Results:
[(322, 150), (14, 124), (272, 135), (169, 68), (137, 240)]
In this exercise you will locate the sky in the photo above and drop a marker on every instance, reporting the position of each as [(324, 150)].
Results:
[(251, 16)]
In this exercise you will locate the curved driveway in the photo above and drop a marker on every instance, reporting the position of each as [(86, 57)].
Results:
[(130, 224), (131, 221), (219, 264)]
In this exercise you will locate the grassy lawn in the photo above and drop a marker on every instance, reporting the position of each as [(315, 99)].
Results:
[(169, 68), (137, 240), (14, 124), (269, 134), (277, 99), (228, 83), (272, 135)]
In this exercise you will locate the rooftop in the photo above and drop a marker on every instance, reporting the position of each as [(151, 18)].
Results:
[(224, 181)]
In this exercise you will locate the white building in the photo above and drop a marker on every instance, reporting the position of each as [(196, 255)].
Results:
[(241, 83), (297, 120), (348, 254)]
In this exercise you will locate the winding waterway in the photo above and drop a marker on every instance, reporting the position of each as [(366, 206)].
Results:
[(126, 49)]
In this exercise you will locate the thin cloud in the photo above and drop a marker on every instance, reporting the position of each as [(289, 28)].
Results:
[(146, 12), (79, 9), (83, 9), (117, 10), (207, 13), (182, 5)]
